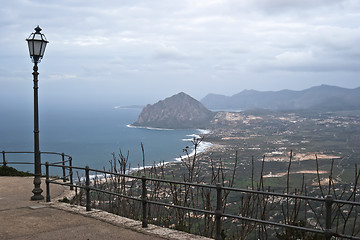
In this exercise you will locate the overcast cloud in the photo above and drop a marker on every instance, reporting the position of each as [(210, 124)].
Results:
[(138, 51)]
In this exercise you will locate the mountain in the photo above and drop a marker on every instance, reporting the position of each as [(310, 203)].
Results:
[(324, 97), (177, 112)]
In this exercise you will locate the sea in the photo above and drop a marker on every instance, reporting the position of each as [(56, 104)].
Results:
[(91, 136)]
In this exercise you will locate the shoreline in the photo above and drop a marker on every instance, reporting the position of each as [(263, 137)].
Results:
[(201, 131), (150, 128), (202, 147)]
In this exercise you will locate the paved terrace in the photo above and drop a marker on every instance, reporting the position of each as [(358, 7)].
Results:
[(22, 219)]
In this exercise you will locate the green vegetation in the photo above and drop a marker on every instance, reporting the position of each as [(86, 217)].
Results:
[(64, 200), (10, 171)]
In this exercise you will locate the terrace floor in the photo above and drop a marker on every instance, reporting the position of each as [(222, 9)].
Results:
[(23, 219)]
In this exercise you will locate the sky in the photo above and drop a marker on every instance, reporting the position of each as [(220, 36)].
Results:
[(129, 52)]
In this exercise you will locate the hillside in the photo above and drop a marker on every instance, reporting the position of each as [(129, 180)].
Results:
[(324, 97), (177, 112)]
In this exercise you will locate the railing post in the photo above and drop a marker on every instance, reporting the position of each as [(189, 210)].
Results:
[(47, 181), (4, 161), (71, 174), (144, 202), (218, 212), (63, 168), (87, 188), (328, 207)]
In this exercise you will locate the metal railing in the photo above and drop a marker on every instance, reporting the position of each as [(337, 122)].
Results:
[(66, 163), (219, 213), (66, 166)]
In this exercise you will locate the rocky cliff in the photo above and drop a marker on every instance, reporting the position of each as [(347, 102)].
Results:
[(177, 112)]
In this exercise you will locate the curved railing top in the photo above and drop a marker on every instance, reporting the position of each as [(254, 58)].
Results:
[(53, 153)]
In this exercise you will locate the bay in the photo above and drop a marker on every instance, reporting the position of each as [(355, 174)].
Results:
[(90, 136)]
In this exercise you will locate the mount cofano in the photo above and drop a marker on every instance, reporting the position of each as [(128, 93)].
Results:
[(177, 112)]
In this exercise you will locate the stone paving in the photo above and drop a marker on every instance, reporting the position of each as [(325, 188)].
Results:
[(22, 219)]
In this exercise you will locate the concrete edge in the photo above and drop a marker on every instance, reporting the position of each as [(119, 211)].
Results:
[(116, 220)]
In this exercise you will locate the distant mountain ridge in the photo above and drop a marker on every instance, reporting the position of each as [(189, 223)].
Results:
[(177, 112), (184, 112), (324, 97)]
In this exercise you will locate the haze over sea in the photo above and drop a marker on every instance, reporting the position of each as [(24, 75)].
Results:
[(90, 136)]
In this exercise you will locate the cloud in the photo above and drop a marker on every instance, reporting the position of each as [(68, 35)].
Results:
[(87, 41), (165, 52), (303, 62), (334, 38), (161, 40), (293, 58), (225, 67), (60, 77), (285, 6)]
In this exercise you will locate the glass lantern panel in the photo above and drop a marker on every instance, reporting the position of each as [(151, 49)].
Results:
[(37, 47), (43, 49), (31, 48)]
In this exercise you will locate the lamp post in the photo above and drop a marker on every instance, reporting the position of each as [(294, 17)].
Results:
[(37, 44)]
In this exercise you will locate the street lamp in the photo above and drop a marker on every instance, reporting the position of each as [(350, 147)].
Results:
[(37, 43)]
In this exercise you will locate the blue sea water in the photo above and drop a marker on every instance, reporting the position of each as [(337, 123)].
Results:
[(91, 135)]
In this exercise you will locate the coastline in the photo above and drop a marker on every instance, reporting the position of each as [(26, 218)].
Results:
[(150, 128), (202, 147)]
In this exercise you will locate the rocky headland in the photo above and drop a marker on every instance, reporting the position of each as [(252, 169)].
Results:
[(176, 112)]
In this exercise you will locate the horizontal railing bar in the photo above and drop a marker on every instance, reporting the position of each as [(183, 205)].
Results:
[(19, 163), (136, 199), (103, 191), (117, 174), (273, 223), (346, 202), (54, 153), (65, 176), (139, 177), (95, 189), (16, 152), (98, 171), (62, 166), (116, 194), (61, 162), (65, 184), (273, 194), (33, 163), (148, 179), (181, 207), (182, 183), (346, 236)]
